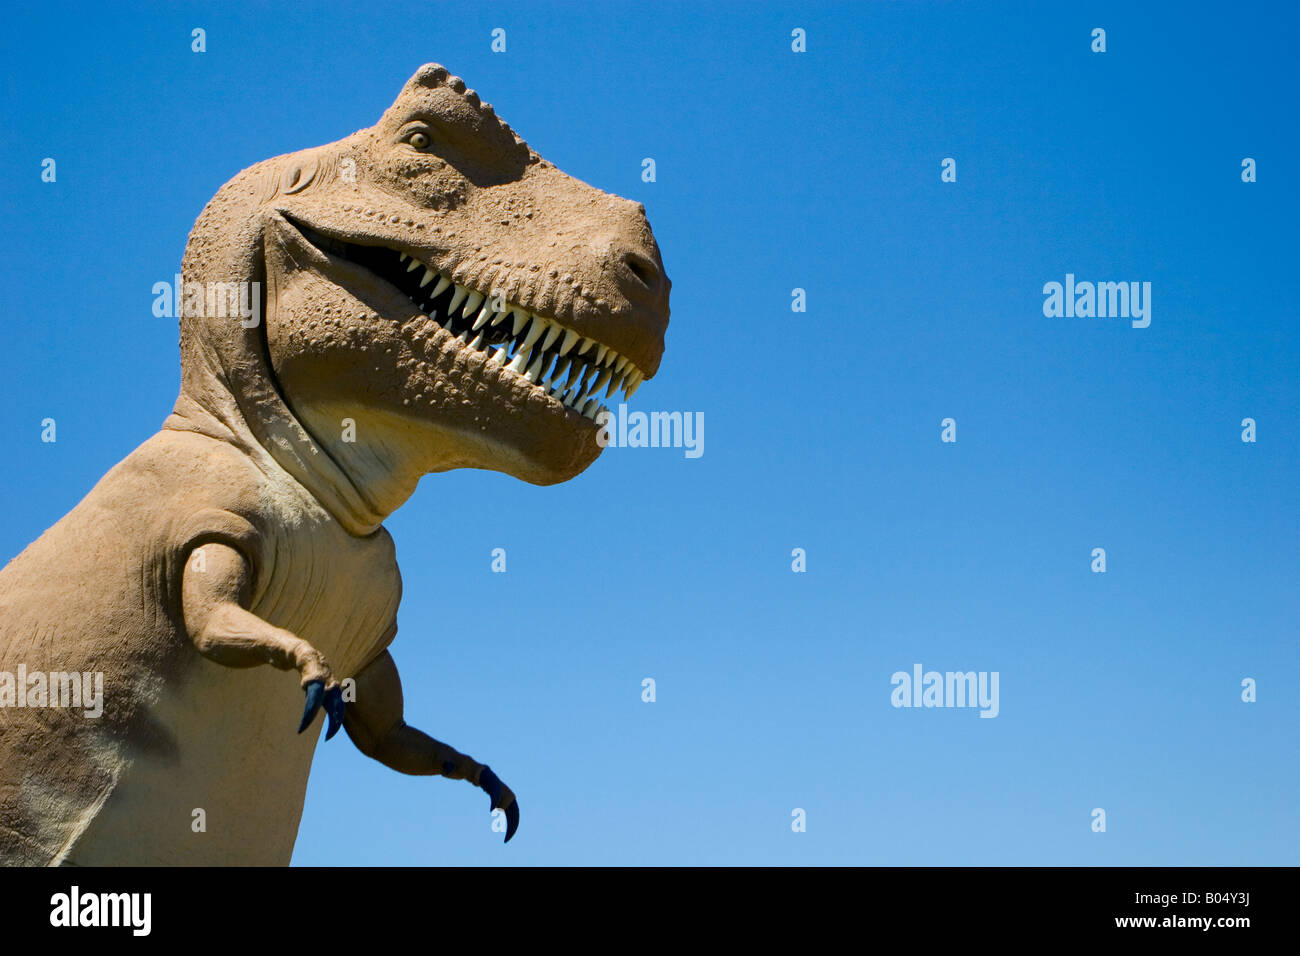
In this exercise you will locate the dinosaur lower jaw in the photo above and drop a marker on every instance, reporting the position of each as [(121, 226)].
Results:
[(554, 359)]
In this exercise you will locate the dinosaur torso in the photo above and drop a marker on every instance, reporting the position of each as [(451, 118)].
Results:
[(195, 736)]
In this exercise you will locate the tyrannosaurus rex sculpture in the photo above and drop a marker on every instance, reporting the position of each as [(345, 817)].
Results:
[(433, 295)]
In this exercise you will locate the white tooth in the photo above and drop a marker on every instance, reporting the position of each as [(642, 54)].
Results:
[(521, 359), (500, 317), (440, 286), (463, 338), (477, 343), (457, 298), (557, 374), (473, 302), (552, 333), (483, 316), (621, 364), (427, 277), (535, 370), (402, 257), (415, 264), (570, 399), (601, 350), (614, 383), (570, 337), (566, 388), (521, 317), (601, 381), (534, 332), (578, 389), (633, 383), (586, 346), (498, 357), (589, 410)]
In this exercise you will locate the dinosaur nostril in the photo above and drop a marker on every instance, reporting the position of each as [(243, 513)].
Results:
[(642, 268)]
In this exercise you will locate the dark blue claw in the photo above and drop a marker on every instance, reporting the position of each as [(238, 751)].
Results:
[(334, 708), (512, 819), (491, 783), (315, 693)]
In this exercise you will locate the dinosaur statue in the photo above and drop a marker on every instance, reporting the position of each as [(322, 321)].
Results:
[(432, 295)]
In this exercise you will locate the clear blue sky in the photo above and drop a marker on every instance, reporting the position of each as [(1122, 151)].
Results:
[(775, 170)]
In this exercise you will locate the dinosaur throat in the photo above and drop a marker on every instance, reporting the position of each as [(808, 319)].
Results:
[(556, 360)]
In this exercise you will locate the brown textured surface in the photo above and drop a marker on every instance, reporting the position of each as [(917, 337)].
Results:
[(251, 466)]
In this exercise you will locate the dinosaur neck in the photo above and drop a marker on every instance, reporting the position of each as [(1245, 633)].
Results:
[(383, 456), (238, 403)]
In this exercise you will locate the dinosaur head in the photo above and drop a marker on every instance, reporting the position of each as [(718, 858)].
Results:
[(435, 296)]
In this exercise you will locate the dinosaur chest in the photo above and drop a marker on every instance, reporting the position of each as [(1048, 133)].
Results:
[(337, 592)]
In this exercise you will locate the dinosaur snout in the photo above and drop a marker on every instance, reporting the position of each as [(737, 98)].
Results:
[(623, 259), (645, 272), (636, 257)]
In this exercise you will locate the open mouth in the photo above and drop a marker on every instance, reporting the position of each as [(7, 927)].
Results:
[(569, 367)]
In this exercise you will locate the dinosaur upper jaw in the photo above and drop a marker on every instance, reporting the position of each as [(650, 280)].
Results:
[(570, 370)]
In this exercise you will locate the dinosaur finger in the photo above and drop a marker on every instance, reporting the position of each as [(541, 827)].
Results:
[(334, 709), (315, 692)]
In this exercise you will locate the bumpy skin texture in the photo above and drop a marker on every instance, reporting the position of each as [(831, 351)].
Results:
[(248, 530)]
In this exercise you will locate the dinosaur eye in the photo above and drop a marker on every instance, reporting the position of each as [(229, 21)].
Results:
[(419, 140)]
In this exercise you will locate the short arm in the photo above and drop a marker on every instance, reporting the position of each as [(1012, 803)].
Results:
[(376, 725), (215, 599)]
